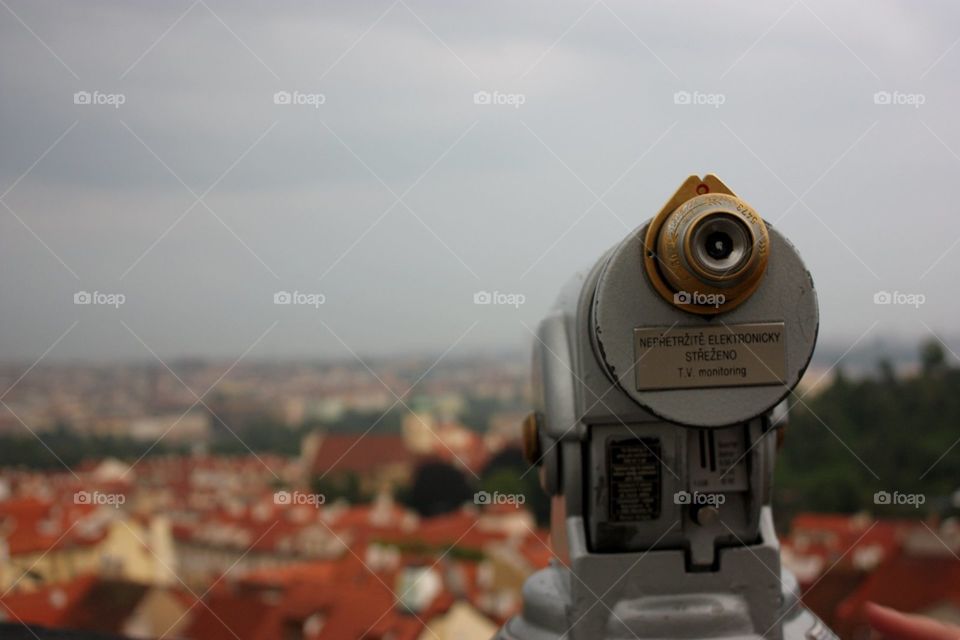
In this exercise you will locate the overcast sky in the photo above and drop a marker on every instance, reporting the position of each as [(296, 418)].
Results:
[(400, 196)]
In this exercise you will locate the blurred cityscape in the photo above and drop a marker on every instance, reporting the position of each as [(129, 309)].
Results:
[(214, 500), (291, 501)]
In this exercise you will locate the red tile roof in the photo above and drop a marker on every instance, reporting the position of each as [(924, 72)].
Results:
[(350, 601), (86, 603), (226, 614), (838, 538), (50, 606), (906, 583), (31, 525), (358, 453)]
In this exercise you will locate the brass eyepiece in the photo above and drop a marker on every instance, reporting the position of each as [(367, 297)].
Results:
[(719, 245), (707, 250)]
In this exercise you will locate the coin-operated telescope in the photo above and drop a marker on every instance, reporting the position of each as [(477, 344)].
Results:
[(656, 379)]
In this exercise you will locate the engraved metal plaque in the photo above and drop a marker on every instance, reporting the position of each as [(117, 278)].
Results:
[(735, 355)]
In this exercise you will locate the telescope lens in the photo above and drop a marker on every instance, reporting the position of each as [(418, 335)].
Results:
[(712, 244), (721, 244)]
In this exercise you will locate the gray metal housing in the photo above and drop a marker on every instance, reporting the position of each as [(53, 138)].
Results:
[(669, 576)]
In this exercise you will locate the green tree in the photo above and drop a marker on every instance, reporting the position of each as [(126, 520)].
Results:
[(508, 472), (437, 488), (932, 357), (861, 436)]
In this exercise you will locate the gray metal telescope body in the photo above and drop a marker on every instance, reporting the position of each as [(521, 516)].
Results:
[(660, 570)]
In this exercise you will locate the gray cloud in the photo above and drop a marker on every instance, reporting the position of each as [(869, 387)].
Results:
[(507, 206)]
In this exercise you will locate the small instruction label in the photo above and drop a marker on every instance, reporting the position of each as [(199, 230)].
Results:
[(739, 355), (716, 460), (634, 468)]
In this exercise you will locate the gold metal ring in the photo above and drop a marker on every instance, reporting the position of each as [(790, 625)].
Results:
[(707, 250)]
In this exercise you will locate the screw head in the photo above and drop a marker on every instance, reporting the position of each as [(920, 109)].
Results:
[(706, 514)]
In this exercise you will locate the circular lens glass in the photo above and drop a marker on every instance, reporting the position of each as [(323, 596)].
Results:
[(721, 244)]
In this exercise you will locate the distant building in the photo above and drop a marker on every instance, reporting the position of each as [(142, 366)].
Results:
[(44, 542), (102, 605), (923, 577), (175, 427), (238, 411), (842, 562), (446, 440), (462, 622), (315, 602), (377, 461)]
